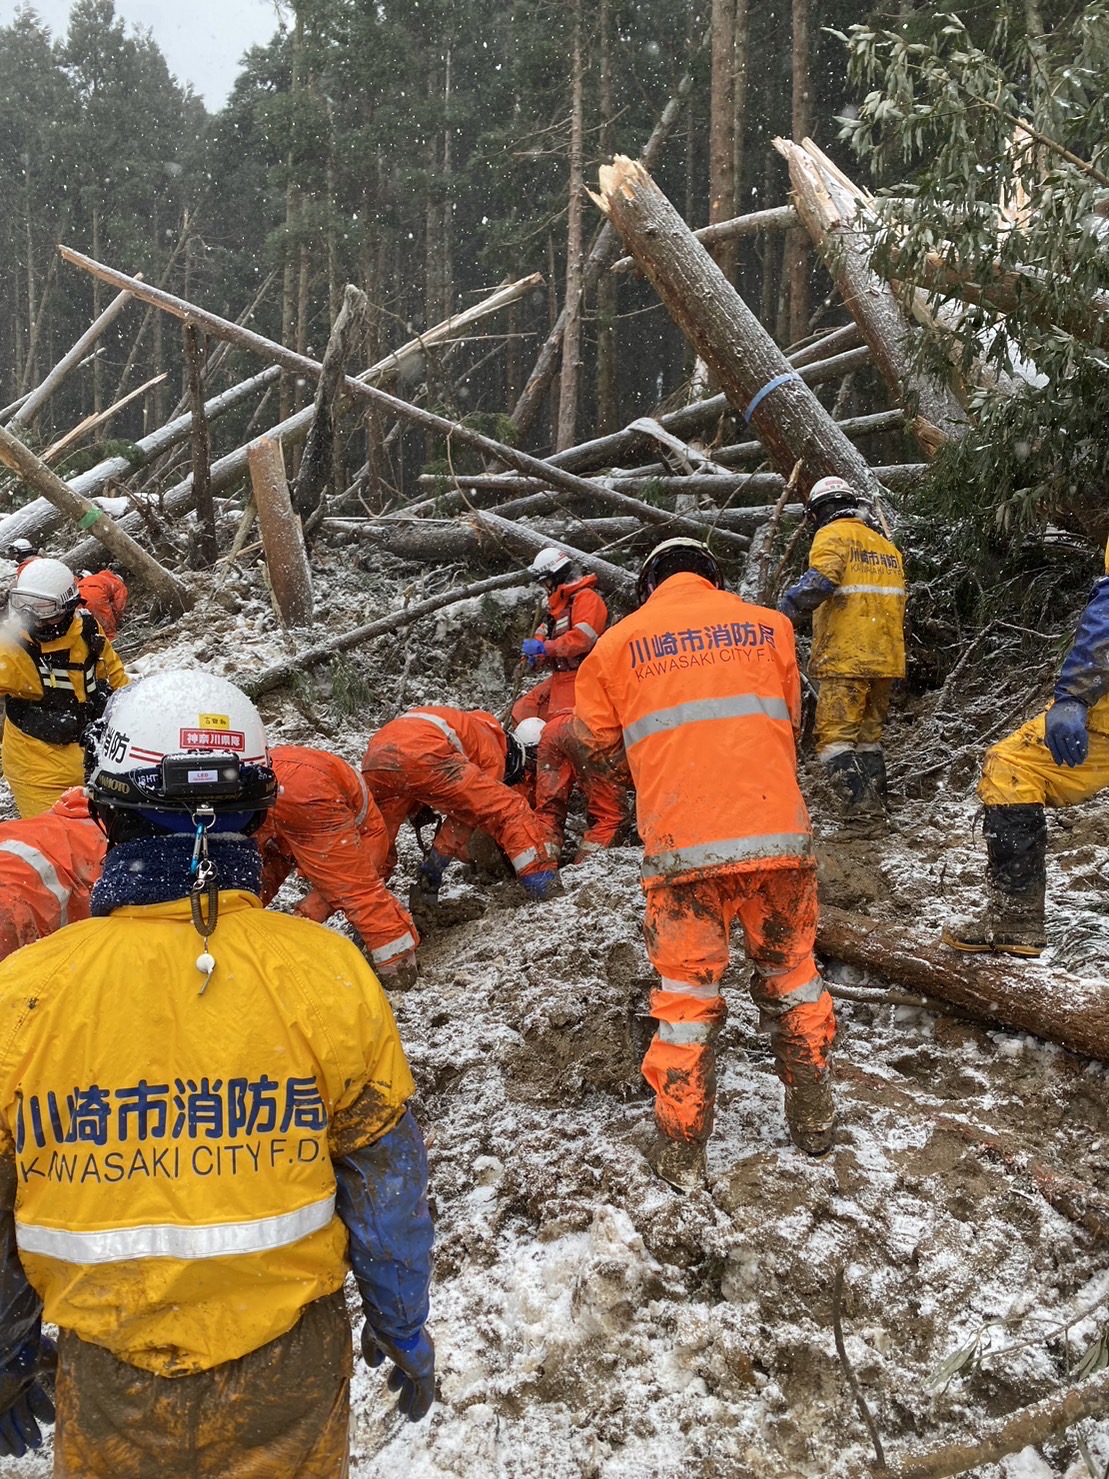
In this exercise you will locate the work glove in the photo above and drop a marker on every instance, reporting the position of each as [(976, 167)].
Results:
[(26, 1390), (541, 885), (1065, 732), (788, 609), (399, 974), (533, 649), (413, 1373)]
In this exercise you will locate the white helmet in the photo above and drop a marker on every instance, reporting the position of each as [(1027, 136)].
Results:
[(44, 597), (529, 732), (183, 743), (831, 493), (552, 565)]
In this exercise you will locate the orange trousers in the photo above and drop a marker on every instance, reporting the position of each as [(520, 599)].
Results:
[(553, 695), (686, 930), (401, 782), (562, 763)]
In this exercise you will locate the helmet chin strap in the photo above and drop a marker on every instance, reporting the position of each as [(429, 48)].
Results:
[(203, 886)]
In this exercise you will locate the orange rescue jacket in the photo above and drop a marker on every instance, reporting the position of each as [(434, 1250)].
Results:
[(576, 617), (702, 691), (48, 865), (105, 595)]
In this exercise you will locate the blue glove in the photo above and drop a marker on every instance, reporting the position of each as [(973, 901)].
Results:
[(1085, 671), (413, 1374), (541, 886), (26, 1388), (429, 875), (533, 649), (806, 594), (1065, 732)]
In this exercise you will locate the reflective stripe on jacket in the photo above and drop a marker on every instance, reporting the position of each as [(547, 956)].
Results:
[(702, 691), (859, 631), (48, 865), (173, 1146), (576, 617)]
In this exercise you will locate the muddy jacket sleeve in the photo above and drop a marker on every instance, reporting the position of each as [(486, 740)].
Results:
[(381, 1197), (1085, 672), (588, 618), (20, 1306)]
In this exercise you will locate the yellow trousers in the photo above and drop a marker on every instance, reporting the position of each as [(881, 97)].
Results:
[(38, 772), (1019, 770), (851, 713)]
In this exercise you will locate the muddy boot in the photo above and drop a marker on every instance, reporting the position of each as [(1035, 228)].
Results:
[(861, 809), (1012, 922), (811, 1110), (680, 1163)]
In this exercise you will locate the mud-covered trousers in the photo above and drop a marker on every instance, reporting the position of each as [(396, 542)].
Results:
[(564, 763), (279, 1412), (851, 714), (1020, 771), (686, 930)]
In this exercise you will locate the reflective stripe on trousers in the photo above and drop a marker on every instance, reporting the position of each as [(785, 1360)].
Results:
[(440, 724), (175, 1240), (45, 870), (685, 1034), (728, 850), (399, 946), (739, 706)]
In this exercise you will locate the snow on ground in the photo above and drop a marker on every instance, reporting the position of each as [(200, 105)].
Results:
[(591, 1322)]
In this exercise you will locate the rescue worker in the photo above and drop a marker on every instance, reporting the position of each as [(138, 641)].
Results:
[(576, 616), (48, 865), (21, 550), (1059, 758), (701, 692), (855, 589), (562, 763), (325, 824), (104, 594), (203, 1128), (56, 671), (460, 763)]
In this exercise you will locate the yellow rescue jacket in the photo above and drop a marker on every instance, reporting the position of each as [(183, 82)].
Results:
[(859, 631), (172, 1147), (55, 675)]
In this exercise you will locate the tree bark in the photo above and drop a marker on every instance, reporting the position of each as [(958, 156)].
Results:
[(722, 183), (789, 419), (801, 114), (829, 212), (35, 473), (317, 466), (518, 537), (1065, 1009), (572, 309), (1029, 1426), (777, 218), (282, 536), (208, 547)]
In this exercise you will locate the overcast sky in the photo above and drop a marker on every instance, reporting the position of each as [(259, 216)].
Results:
[(201, 40)]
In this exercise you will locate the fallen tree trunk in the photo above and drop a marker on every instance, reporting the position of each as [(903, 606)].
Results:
[(1021, 995), (754, 373), (208, 547), (255, 684), (33, 404), (75, 433), (38, 519), (301, 364), (35, 473), (777, 218), (829, 213), (1028, 1427), (518, 537)]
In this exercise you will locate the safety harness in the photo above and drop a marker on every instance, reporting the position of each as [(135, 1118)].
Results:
[(59, 717)]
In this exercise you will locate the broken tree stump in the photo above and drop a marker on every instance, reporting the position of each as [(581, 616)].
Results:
[(317, 464), (282, 535), (1020, 995), (829, 212), (756, 376)]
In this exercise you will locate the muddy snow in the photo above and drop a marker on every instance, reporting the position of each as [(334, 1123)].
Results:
[(590, 1321)]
